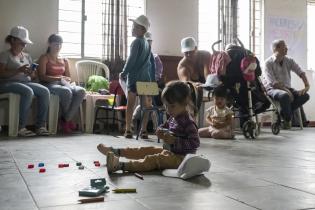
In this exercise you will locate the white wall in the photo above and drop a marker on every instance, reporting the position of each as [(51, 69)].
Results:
[(40, 17), (172, 20)]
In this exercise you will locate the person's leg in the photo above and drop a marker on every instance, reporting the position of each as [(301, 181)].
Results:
[(160, 161), (26, 97), (78, 94), (285, 102), (225, 133), (42, 94), (130, 153), (299, 100), (65, 96), (130, 106), (147, 103), (204, 132)]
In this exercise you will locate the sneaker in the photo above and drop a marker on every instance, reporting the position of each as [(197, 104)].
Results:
[(287, 125), (23, 132), (103, 149), (42, 131), (128, 134), (144, 135), (112, 162)]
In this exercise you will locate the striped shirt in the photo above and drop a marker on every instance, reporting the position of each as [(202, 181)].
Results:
[(185, 129)]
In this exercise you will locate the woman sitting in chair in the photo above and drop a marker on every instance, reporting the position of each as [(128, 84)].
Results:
[(54, 73)]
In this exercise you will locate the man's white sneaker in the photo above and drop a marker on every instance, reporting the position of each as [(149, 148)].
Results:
[(23, 132), (42, 131)]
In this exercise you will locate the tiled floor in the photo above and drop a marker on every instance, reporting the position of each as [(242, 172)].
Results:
[(272, 172)]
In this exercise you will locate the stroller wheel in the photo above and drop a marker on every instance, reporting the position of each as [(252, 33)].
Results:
[(249, 129), (275, 128)]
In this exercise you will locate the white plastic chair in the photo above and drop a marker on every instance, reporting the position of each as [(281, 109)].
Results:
[(13, 116), (86, 68)]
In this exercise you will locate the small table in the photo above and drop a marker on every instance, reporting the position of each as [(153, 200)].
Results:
[(91, 99)]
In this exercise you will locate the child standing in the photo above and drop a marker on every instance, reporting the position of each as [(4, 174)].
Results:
[(220, 118), (137, 68), (179, 133)]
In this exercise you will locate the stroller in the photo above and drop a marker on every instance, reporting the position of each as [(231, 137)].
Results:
[(239, 70)]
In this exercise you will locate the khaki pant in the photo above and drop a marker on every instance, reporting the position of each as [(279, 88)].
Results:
[(150, 158)]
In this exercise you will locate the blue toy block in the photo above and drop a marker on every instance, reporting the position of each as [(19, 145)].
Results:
[(41, 164)]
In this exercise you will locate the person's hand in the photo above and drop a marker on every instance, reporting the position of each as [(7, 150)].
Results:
[(304, 91), (168, 138), (278, 85), (165, 135), (25, 69), (67, 79), (198, 85)]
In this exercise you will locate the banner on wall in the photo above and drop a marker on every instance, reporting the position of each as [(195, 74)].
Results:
[(291, 30)]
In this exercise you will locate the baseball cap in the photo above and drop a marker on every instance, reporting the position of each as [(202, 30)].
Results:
[(188, 44), (192, 165), (21, 33), (148, 36), (143, 21)]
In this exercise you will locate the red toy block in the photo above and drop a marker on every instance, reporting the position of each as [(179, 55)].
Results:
[(29, 166), (97, 164), (42, 170), (60, 165), (66, 165)]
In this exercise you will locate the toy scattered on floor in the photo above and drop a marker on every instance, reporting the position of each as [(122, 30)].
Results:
[(63, 165), (125, 190), (41, 164), (138, 175), (29, 166), (78, 164), (81, 167), (96, 161), (97, 187), (42, 170), (91, 200), (97, 164)]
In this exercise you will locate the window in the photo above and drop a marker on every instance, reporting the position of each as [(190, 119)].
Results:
[(81, 25), (249, 23), (310, 35), (207, 24)]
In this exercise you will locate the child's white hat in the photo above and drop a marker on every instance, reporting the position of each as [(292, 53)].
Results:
[(188, 44), (192, 165), (143, 21)]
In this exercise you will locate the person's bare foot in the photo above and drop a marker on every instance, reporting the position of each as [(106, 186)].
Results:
[(103, 149)]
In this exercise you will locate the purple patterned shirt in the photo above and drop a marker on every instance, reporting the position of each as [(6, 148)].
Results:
[(186, 131)]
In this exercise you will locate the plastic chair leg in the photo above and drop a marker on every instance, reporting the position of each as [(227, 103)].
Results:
[(53, 114), (14, 110)]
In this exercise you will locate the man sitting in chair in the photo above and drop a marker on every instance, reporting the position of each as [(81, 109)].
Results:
[(277, 80)]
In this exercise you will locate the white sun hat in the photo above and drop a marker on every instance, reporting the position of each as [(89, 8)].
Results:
[(188, 44), (148, 36), (191, 166), (143, 21), (21, 33)]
